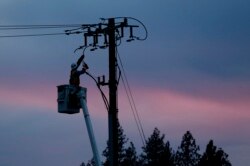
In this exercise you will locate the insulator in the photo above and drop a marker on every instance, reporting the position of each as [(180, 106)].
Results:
[(122, 31), (131, 39), (103, 79), (105, 39), (102, 47), (131, 32), (125, 22), (94, 40), (93, 49), (85, 40)]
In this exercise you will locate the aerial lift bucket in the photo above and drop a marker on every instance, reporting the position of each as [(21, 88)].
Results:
[(67, 99), (70, 100)]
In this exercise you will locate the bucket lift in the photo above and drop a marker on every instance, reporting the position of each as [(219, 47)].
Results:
[(70, 100)]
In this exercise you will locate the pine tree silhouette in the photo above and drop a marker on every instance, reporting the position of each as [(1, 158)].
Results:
[(187, 153), (214, 157), (156, 152)]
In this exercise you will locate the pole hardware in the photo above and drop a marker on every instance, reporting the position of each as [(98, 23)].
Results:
[(96, 35), (101, 81)]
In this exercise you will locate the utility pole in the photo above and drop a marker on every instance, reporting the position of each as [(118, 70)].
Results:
[(115, 32), (113, 110)]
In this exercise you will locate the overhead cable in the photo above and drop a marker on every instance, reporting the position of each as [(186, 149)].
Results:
[(19, 33), (18, 27), (105, 100), (31, 35), (132, 102)]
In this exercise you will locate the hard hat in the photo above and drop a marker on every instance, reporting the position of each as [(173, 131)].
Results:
[(73, 66)]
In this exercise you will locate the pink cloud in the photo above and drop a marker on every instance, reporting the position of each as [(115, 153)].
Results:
[(45, 96), (179, 112), (157, 107), (160, 101)]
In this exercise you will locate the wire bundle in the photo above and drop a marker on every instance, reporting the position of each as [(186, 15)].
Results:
[(48, 28)]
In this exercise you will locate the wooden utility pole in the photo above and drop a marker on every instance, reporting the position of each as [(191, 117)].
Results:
[(113, 110)]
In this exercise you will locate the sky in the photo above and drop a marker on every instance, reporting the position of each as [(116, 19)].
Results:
[(192, 73)]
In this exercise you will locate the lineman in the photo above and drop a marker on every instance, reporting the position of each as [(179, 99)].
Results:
[(75, 74), (74, 81)]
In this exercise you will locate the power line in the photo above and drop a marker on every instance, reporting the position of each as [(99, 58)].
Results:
[(144, 27), (18, 28), (131, 106), (132, 102), (31, 35), (33, 28), (105, 100), (39, 26)]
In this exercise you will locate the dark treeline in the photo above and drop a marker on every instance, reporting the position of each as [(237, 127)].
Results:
[(158, 152)]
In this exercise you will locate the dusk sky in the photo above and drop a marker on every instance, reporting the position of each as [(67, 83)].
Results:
[(192, 73)]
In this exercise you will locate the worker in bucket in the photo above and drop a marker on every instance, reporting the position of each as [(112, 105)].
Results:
[(74, 81), (75, 74)]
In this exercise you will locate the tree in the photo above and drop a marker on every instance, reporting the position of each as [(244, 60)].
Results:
[(214, 157), (89, 163), (122, 140), (187, 154), (130, 157), (156, 152)]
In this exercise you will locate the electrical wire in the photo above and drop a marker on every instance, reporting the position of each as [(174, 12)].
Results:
[(4, 28), (19, 27), (146, 31), (105, 100), (132, 18), (131, 101), (133, 111), (31, 35), (118, 38)]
